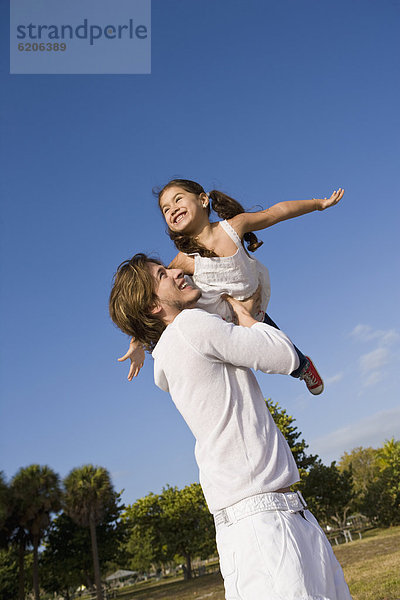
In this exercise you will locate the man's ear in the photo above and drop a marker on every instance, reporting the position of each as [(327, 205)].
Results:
[(157, 308)]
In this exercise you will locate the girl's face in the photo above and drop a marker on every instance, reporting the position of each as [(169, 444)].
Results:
[(183, 211)]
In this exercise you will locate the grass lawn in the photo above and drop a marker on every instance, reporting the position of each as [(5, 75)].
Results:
[(371, 567)]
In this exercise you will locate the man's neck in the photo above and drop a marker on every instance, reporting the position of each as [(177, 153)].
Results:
[(170, 318), (171, 314)]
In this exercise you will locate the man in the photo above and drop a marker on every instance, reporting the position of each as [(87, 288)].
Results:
[(270, 546)]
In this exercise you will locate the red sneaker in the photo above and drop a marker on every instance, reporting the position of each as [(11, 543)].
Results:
[(313, 379)]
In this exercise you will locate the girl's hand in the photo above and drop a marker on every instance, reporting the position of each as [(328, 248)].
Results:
[(136, 355), (323, 203)]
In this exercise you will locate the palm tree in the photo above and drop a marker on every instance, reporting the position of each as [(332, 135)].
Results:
[(36, 494), (4, 509), (11, 532), (88, 492)]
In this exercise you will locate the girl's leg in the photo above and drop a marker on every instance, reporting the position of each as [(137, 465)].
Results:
[(304, 362), (306, 369)]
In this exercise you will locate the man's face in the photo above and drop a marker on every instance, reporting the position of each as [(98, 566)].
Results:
[(174, 294)]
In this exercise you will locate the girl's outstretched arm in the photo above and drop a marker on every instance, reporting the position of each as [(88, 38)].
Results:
[(245, 222), (136, 356)]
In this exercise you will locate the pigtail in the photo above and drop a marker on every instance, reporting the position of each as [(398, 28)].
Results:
[(226, 208)]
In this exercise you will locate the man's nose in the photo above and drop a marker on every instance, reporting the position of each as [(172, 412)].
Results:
[(178, 273)]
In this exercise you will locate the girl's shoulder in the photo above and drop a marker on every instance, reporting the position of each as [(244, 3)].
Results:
[(226, 241), (232, 230), (238, 224), (183, 261)]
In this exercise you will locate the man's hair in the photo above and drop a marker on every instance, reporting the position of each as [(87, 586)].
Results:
[(132, 298)]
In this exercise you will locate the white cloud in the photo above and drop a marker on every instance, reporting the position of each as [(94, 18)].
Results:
[(373, 363), (334, 378), (373, 378), (366, 333), (375, 360), (369, 431), (361, 331)]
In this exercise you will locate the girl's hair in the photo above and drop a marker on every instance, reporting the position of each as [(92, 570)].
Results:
[(132, 298), (225, 207)]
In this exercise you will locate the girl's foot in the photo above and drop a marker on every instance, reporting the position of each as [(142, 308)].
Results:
[(313, 379)]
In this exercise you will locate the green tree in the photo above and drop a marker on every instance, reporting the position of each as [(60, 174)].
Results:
[(36, 495), (382, 498), (328, 492), (362, 462), (13, 537), (5, 506), (88, 492), (63, 562), (176, 522), (187, 524), (389, 458), (145, 545), (66, 559), (9, 574), (16, 538), (290, 432)]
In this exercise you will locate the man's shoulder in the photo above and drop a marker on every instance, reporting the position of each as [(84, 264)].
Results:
[(186, 319), (194, 318), (194, 314), (191, 326), (189, 330)]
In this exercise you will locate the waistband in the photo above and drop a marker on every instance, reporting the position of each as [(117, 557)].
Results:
[(290, 501)]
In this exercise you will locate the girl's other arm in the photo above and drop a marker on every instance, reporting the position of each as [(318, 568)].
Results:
[(136, 356), (245, 222), (184, 262)]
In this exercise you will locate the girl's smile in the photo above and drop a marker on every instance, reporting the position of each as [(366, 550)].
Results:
[(182, 210)]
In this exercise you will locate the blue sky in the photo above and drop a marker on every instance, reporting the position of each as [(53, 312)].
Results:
[(268, 101)]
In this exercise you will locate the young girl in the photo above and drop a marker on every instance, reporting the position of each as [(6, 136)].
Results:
[(213, 254)]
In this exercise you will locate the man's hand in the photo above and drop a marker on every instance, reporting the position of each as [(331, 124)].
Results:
[(136, 355), (241, 312), (253, 304), (323, 203)]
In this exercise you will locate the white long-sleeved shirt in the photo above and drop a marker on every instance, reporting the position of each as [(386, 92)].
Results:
[(205, 364)]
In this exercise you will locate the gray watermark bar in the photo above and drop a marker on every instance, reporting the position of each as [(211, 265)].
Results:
[(80, 37)]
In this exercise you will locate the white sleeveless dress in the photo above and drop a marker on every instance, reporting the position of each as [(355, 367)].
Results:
[(238, 276)]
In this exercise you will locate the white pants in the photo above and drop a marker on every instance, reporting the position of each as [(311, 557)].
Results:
[(279, 555)]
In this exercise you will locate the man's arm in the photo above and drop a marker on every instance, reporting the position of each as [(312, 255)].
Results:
[(251, 345)]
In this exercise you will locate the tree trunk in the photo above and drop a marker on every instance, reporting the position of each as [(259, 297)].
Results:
[(21, 569), (188, 570), (88, 581), (36, 567), (96, 565)]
